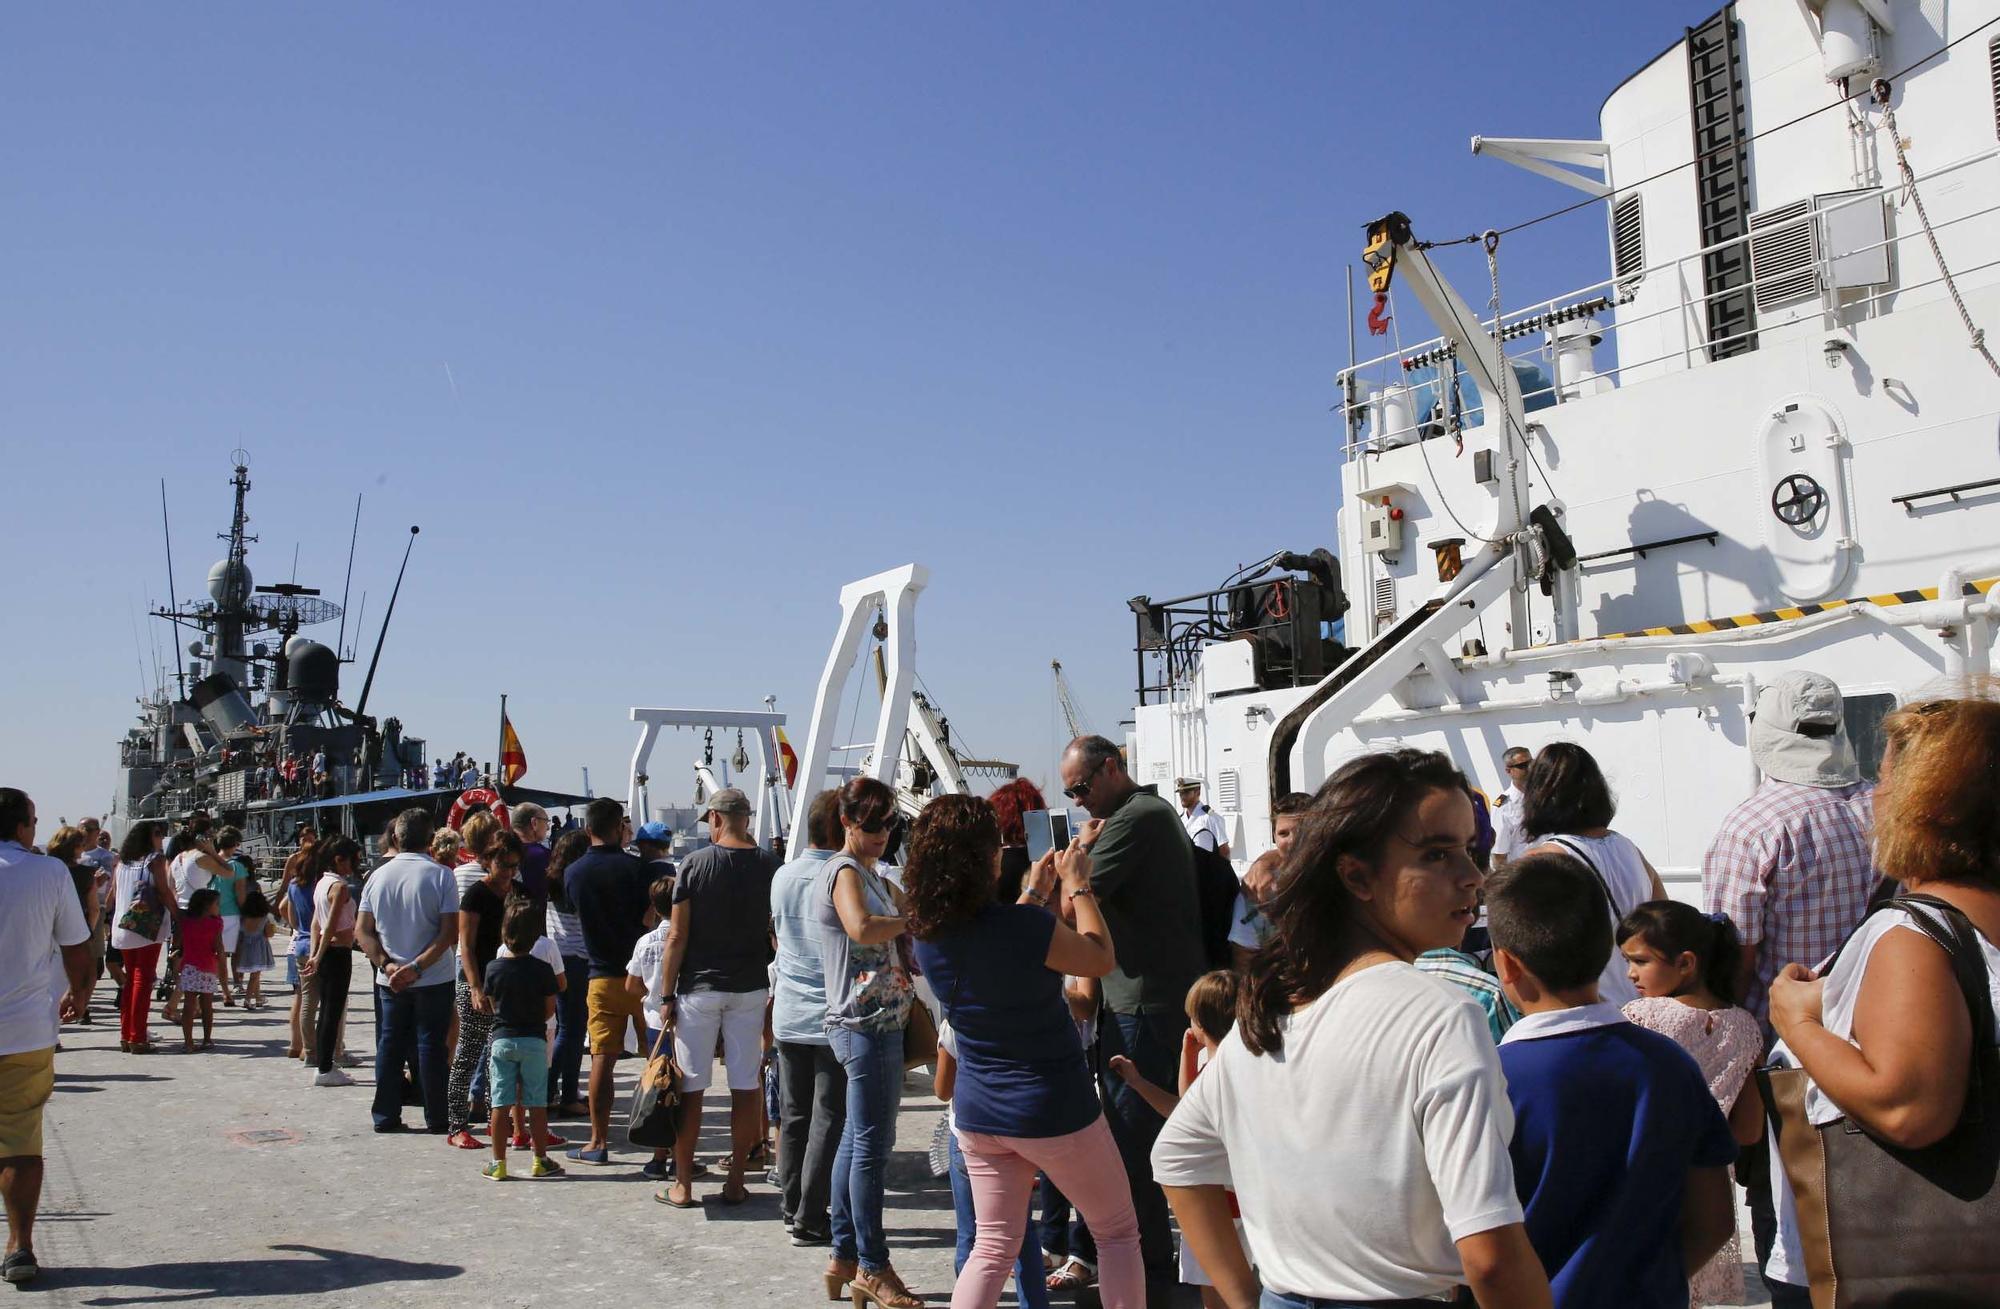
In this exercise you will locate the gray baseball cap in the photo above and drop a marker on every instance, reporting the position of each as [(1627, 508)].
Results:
[(728, 800), (1800, 732)]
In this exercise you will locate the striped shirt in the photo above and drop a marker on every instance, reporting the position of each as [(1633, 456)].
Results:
[(1463, 971), (1792, 866)]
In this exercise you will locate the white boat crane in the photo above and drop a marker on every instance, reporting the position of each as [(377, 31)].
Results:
[(773, 799)]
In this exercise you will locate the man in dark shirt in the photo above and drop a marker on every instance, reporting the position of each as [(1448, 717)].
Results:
[(608, 888), (716, 980), (1142, 870)]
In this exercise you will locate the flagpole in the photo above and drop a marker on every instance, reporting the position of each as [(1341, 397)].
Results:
[(500, 755)]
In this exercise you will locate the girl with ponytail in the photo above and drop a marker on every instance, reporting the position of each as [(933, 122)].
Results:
[(1684, 964)]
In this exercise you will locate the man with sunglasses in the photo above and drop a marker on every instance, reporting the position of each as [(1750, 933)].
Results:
[(1508, 840), (1143, 876)]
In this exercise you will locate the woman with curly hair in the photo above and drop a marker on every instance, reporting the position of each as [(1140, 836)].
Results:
[(1024, 1099)]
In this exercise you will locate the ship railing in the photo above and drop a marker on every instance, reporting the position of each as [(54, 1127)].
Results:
[(1613, 295)]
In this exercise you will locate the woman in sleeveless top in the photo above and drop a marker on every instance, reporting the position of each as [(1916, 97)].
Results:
[(1889, 1046), (1567, 805), (868, 998)]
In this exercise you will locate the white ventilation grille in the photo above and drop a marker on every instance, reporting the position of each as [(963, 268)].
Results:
[(1993, 73), (1385, 601), (1228, 791), (1784, 255), (1628, 242)]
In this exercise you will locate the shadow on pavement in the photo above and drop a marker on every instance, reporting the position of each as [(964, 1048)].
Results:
[(328, 1270)]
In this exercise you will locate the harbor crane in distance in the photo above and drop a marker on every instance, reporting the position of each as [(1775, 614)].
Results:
[(1078, 724)]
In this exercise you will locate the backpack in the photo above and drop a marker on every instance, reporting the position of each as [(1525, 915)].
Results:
[(1215, 886)]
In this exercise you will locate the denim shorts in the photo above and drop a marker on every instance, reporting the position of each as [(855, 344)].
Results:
[(519, 1061)]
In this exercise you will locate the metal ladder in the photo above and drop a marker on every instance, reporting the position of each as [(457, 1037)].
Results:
[(1722, 181)]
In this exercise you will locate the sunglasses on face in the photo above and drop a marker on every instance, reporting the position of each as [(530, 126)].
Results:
[(1082, 788), (1517, 768), (877, 827)]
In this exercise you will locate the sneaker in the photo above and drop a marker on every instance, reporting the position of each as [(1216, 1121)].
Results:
[(348, 1059), (496, 1171), (20, 1267), (655, 1170), (520, 1141), (333, 1077), (545, 1167), (806, 1237), (465, 1140)]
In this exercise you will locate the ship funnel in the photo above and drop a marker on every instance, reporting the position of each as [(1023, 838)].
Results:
[(222, 705)]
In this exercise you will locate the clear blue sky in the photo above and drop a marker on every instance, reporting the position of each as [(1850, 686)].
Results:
[(664, 322)]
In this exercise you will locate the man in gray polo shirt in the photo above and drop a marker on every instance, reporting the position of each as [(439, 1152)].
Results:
[(408, 928)]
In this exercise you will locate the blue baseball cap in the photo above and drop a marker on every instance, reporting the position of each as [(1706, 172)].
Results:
[(655, 833)]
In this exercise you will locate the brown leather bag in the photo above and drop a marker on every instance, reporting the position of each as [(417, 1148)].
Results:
[(1887, 1228)]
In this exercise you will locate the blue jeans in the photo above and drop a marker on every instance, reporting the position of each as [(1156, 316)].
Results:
[(572, 1016), (413, 1023), (1031, 1288), (1152, 1041), (873, 1062)]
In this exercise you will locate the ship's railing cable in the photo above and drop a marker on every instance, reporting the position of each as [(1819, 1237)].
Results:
[(1881, 93), (1617, 191)]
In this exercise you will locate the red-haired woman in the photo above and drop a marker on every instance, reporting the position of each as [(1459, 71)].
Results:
[(1886, 1034), (1009, 803)]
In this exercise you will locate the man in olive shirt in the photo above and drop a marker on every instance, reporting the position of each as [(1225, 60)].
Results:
[(1142, 870)]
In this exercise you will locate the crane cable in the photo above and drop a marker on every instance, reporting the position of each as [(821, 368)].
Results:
[(1973, 330)]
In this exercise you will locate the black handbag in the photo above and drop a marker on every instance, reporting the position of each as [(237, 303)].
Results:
[(656, 1101), (1882, 1226)]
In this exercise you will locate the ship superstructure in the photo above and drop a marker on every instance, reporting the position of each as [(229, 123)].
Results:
[(1766, 441), (253, 723)]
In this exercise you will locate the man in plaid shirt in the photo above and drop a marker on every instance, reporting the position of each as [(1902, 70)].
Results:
[(1792, 867)]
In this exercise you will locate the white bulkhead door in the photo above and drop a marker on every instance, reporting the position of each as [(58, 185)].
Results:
[(1802, 497)]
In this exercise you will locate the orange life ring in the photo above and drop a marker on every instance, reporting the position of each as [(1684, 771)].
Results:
[(478, 795)]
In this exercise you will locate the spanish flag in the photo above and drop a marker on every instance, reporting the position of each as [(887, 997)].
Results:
[(513, 759), (788, 759)]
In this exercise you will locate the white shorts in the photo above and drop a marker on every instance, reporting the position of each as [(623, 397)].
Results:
[(739, 1017), (232, 930), (1191, 1271)]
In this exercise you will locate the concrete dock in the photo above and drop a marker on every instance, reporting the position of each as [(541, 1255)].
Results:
[(226, 1175)]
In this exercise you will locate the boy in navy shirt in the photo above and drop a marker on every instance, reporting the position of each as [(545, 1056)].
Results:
[(1621, 1157)]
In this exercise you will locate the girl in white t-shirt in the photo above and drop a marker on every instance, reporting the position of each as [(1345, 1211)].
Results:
[(1358, 1109)]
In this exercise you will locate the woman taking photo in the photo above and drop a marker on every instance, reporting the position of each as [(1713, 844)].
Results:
[(1567, 805), (142, 913), (331, 963), (868, 998), (1885, 1035), (1024, 1100), (1358, 1108)]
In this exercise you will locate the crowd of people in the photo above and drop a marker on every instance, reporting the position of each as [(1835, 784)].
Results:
[(1437, 1046)]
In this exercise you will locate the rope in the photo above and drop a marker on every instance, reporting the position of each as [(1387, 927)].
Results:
[(1972, 330)]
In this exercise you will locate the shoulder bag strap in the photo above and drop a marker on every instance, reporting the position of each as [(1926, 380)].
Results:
[(1955, 934), (1584, 859)]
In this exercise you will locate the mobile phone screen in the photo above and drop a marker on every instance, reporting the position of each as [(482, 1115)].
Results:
[(1041, 834), (1059, 829)]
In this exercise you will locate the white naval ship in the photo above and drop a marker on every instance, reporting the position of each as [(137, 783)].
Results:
[(1770, 439)]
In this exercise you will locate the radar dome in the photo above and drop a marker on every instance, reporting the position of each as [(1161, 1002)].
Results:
[(229, 584), (314, 671)]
